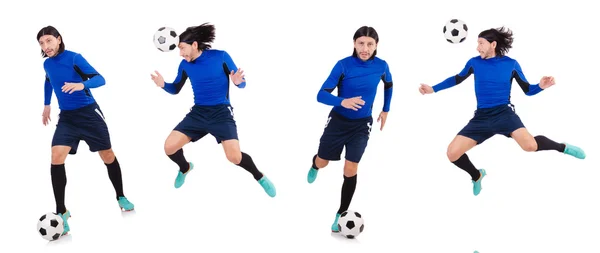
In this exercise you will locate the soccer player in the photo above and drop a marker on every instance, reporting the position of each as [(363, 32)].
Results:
[(71, 78), (495, 114), (210, 71), (349, 123)]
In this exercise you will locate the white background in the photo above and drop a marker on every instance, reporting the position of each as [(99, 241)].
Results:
[(412, 198)]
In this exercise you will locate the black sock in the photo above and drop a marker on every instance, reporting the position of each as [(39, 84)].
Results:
[(347, 192), (59, 183), (314, 165), (179, 159), (546, 144), (114, 173), (249, 165), (465, 164)]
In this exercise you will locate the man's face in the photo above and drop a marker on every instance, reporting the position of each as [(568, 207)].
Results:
[(485, 48), (50, 44), (365, 46), (187, 51)]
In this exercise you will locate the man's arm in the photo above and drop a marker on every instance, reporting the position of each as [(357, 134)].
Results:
[(456, 79), (388, 87), (334, 80), (229, 65), (47, 91), (528, 89), (175, 86), (91, 77)]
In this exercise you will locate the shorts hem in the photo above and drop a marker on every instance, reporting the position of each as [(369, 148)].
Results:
[(353, 160), (219, 141), (100, 149), (333, 159)]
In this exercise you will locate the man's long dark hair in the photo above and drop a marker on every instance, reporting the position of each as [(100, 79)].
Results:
[(203, 34), (502, 36), (50, 30), (369, 32)]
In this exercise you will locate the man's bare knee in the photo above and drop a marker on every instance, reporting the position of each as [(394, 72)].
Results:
[(321, 163), (107, 156)]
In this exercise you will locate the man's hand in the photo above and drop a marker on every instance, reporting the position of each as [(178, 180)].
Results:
[(72, 87), (354, 103), (425, 89), (547, 82), (238, 77), (46, 115), (382, 118), (158, 79)]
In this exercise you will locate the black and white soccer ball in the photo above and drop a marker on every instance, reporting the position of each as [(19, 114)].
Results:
[(351, 224), (455, 31), (50, 226), (166, 39)]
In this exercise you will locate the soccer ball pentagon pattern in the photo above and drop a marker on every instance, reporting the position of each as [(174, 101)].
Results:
[(50, 226), (455, 31), (351, 224), (166, 39)]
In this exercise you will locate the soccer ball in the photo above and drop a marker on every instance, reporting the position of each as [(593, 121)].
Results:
[(166, 39), (455, 31), (351, 224), (50, 226)]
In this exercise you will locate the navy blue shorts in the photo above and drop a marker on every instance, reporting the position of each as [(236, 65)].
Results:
[(217, 120), (87, 124), (488, 122), (342, 132)]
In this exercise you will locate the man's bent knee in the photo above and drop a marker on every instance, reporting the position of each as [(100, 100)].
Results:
[(59, 154), (107, 156)]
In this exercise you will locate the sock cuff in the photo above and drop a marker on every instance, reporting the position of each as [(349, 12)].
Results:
[(178, 152), (461, 158), (244, 157), (113, 163), (58, 169), (352, 177), (314, 165)]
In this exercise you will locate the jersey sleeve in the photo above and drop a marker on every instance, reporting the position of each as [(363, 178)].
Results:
[(47, 91), (456, 79), (528, 89), (91, 77), (334, 79), (388, 87), (177, 84), (230, 65)]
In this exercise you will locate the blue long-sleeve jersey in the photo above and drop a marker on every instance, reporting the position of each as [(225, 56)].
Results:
[(493, 80), (354, 77), (209, 75), (70, 67)]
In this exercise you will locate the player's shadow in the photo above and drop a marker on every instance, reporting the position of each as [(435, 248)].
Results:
[(65, 239), (340, 237), (128, 214)]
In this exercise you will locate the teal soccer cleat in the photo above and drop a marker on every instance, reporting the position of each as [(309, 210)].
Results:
[(65, 216), (181, 176), (335, 227), (477, 184), (268, 186), (124, 204), (574, 151), (312, 175)]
